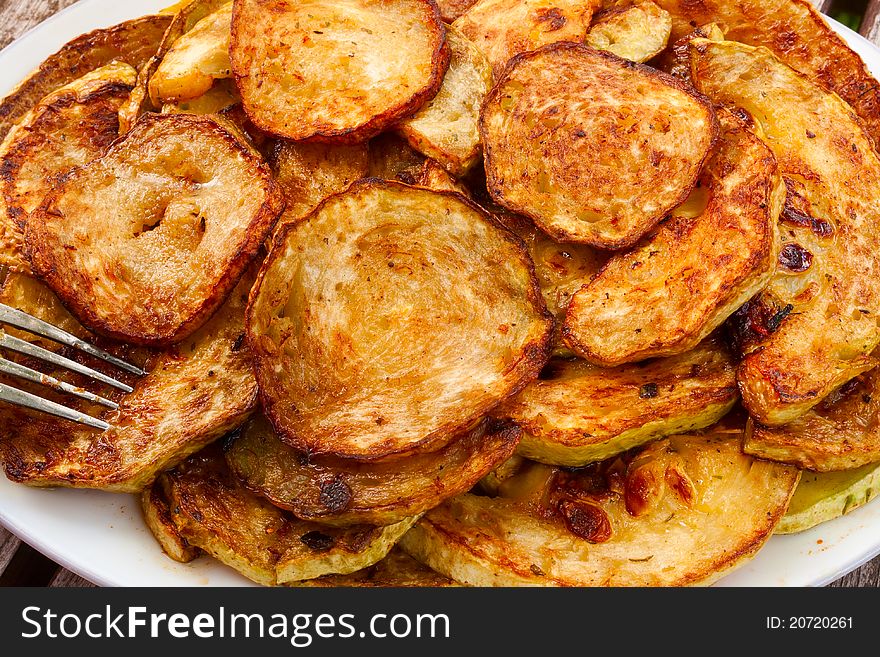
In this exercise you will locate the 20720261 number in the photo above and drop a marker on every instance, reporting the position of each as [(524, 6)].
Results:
[(810, 623)]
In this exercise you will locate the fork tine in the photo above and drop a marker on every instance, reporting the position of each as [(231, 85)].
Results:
[(26, 399), (22, 372), (28, 349), (31, 324)]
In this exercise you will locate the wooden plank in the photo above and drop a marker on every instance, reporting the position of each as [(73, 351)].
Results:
[(871, 22), (18, 16), (66, 579), (866, 576), (9, 545)]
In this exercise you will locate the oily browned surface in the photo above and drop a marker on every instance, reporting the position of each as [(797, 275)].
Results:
[(797, 34), (291, 86), (504, 28), (344, 492), (841, 433), (70, 127), (175, 213), (193, 394), (378, 329), (214, 512), (133, 42), (682, 511), (578, 413), (832, 173), (566, 134), (22, 565), (683, 281)]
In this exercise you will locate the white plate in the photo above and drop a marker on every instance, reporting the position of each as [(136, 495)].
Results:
[(103, 538)]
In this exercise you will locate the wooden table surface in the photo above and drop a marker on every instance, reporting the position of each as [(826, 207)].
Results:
[(20, 564)]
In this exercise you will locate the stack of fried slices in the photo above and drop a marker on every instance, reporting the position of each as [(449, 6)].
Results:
[(506, 292)]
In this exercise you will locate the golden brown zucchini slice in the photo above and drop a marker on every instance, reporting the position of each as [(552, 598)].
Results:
[(214, 512), (132, 42), (379, 326), (158, 518), (397, 570), (379, 317), (193, 394), (445, 128), (194, 61), (832, 325), (504, 28), (824, 496), (433, 176), (841, 433), (68, 128), (798, 35), (683, 511), (185, 16), (309, 173), (638, 32), (222, 96), (339, 71), (146, 242), (343, 492), (568, 133), (682, 282), (578, 413)]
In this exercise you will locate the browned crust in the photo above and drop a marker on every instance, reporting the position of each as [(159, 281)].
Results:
[(798, 34), (482, 449), (157, 517), (133, 42), (44, 264), (534, 355), (13, 160), (560, 235), (712, 570), (376, 124)]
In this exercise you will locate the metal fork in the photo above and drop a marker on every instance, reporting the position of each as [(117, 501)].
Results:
[(21, 320)]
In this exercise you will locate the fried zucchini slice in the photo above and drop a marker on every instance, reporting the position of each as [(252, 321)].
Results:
[(562, 268), (841, 433), (157, 517), (339, 71), (194, 61), (578, 413), (68, 128), (798, 35), (309, 173), (832, 324), (378, 328), (677, 59), (822, 497), (132, 42), (568, 133), (146, 242), (193, 394), (452, 9), (343, 492), (397, 570), (682, 282), (683, 511), (504, 28), (445, 128), (220, 97), (215, 513), (186, 15), (638, 33)]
